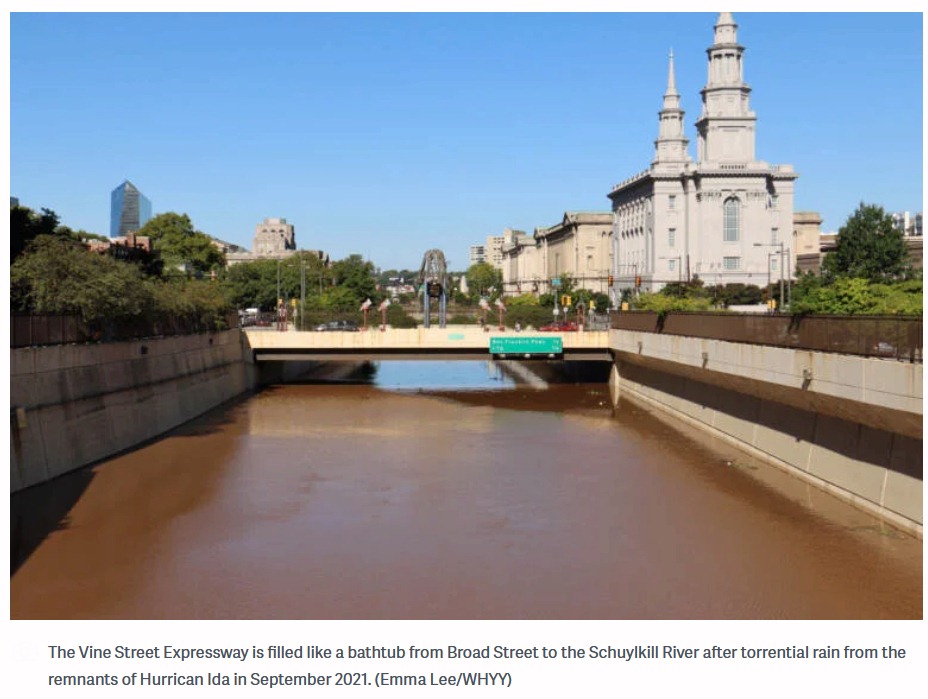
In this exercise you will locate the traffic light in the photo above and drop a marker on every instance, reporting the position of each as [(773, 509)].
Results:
[(611, 280), (638, 282), (565, 300)]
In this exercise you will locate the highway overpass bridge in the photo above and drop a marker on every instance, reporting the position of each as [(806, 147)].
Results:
[(457, 343)]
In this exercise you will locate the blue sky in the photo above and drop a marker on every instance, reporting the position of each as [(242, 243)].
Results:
[(389, 134)]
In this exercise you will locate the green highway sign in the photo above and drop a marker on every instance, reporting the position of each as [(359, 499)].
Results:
[(526, 345)]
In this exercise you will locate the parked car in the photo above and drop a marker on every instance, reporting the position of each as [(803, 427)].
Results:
[(338, 326), (564, 326)]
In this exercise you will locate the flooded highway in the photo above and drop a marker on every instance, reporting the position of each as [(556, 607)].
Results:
[(446, 491)]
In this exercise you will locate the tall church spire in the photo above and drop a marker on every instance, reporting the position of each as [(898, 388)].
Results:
[(726, 128), (726, 31), (670, 146), (671, 82)]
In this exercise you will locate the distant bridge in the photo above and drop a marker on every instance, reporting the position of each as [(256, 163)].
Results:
[(458, 343)]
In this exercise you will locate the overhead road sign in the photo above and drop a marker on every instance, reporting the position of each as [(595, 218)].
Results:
[(527, 347)]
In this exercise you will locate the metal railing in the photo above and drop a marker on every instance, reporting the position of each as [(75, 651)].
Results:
[(890, 337), (36, 330)]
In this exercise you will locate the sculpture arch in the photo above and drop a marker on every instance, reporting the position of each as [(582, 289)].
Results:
[(434, 280)]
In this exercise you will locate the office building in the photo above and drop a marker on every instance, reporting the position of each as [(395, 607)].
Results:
[(129, 210)]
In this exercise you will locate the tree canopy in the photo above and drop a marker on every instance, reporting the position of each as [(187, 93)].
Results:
[(356, 275), (26, 226), (483, 279), (869, 247), (178, 242), (59, 275), (343, 286), (856, 296)]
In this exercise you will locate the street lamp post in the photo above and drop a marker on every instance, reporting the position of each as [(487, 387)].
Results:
[(281, 309), (302, 291), (778, 245), (769, 255)]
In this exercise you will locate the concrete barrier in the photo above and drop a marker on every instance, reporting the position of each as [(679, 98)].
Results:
[(72, 405), (850, 425)]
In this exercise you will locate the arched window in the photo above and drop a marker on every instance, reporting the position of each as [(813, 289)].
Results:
[(731, 210)]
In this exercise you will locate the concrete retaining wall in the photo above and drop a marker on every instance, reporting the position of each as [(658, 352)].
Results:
[(877, 469), (71, 405)]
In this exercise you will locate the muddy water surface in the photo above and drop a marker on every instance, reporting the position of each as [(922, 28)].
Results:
[(473, 499)]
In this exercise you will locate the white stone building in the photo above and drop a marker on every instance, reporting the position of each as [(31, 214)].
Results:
[(720, 216), (909, 224)]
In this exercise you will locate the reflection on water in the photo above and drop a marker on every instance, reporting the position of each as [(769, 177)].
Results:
[(351, 501), (442, 375)]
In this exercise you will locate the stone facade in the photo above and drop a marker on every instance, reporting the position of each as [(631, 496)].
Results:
[(522, 267), (273, 236), (718, 218), (578, 246), (807, 243), (274, 239)]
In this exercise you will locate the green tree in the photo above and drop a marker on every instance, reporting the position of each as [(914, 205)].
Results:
[(735, 294), (483, 279), (58, 275), (252, 284), (664, 303), (869, 247), (357, 276), (522, 300), (255, 284), (339, 298), (857, 296), (601, 301), (26, 226), (178, 242)]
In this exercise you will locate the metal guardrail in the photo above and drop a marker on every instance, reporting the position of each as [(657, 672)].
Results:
[(889, 337), (37, 330)]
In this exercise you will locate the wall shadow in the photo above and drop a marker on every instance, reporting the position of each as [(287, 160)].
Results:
[(40, 510), (881, 448)]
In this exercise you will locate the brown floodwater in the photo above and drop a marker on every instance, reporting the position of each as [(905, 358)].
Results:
[(351, 501)]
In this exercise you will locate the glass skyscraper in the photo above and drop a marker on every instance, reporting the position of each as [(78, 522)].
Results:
[(129, 209)]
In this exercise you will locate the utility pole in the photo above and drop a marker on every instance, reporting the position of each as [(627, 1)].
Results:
[(302, 291)]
